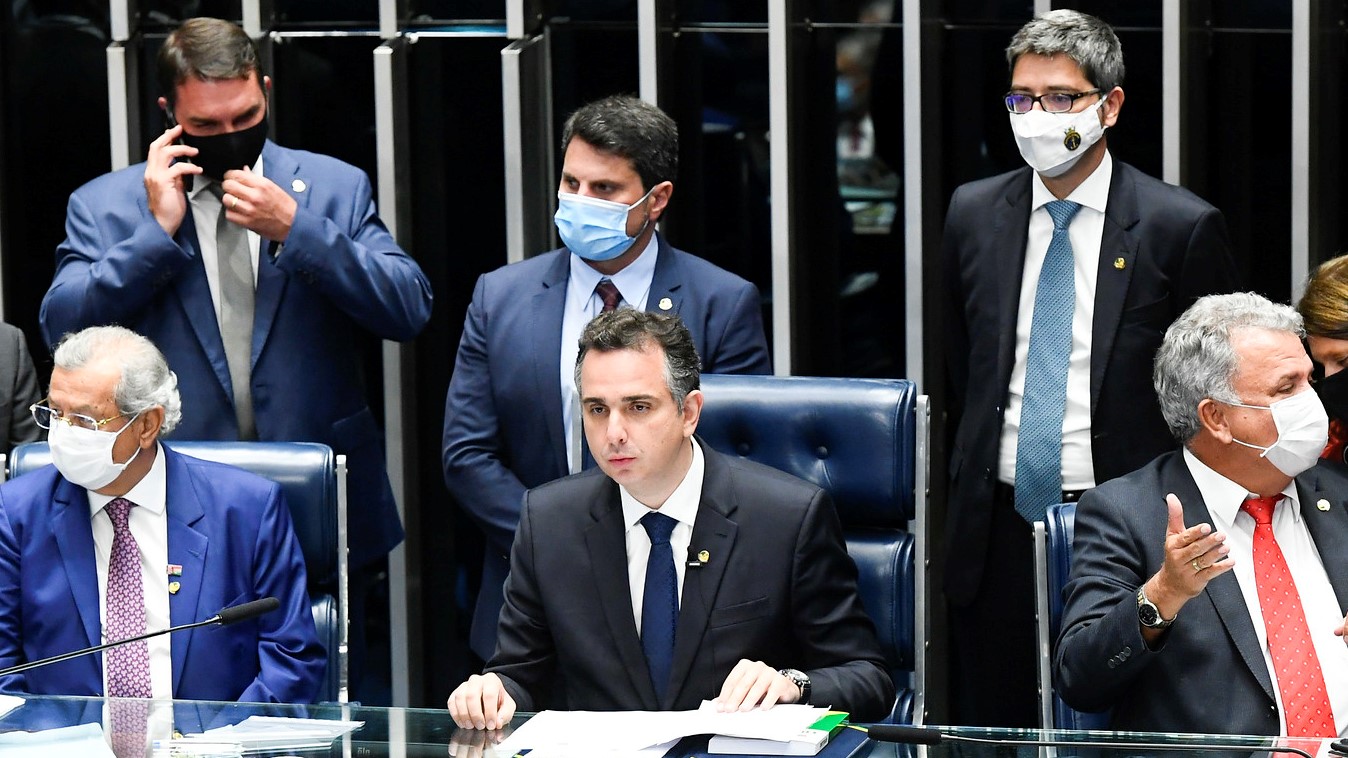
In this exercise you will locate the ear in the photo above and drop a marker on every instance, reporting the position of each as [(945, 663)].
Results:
[(660, 198), (1109, 112), (692, 411), (163, 104), (266, 84), (150, 422), (1212, 419)]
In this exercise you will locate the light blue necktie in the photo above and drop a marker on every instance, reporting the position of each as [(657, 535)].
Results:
[(1039, 448), (660, 601)]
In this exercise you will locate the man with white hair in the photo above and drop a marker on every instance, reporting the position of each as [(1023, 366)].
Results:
[(123, 536), (1208, 587)]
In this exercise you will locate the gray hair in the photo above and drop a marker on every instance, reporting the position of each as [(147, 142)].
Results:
[(1196, 360), (632, 129), (630, 329), (1085, 39), (145, 381)]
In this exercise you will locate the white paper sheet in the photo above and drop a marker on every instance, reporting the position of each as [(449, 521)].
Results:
[(82, 741)]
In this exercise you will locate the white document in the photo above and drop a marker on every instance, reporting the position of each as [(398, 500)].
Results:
[(83, 741), (271, 732), (9, 703), (560, 734)]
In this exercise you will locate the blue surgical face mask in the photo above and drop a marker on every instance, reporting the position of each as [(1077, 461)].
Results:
[(596, 229)]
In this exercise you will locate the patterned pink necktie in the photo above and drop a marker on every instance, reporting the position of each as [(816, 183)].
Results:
[(1305, 700), (128, 665)]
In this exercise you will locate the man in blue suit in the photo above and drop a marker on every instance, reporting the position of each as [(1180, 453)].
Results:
[(511, 413), (196, 536), (266, 312)]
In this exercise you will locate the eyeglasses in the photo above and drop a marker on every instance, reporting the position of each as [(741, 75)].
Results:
[(1051, 102), (44, 417)]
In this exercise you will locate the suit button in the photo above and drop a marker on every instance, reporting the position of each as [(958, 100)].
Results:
[(1127, 652), (1113, 663)]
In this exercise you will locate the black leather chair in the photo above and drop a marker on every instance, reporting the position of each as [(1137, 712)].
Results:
[(314, 483), (1053, 565), (866, 442)]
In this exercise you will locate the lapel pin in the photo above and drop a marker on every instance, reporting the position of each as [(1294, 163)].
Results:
[(175, 569), (666, 303), (703, 556), (1119, 263), (1322, 504), (298, 185), (174, 587)]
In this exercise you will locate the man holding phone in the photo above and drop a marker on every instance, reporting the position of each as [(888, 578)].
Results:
[(262, 273)]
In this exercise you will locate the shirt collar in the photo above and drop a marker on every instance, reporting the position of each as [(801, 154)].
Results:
[(682, 502), (633, 279), (1224, 497), (1092, 193), (150, 493)]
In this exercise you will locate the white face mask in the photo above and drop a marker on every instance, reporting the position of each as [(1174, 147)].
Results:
[(1303, 430), (84, 456), (1052, 143)]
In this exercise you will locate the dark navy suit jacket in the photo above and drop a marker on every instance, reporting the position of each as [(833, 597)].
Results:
[(337, 282), (503, 411), (1209, 674), (777, 586), (231, 533), (1162, 248)]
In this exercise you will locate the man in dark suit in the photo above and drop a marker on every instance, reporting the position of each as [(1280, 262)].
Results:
[(1207, 588), (18, 390), (224, 534), (265, 313), (511, 415), (768, 611), (1061, 278)]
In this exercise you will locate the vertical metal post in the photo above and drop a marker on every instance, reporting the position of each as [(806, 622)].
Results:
[(1301, 143), (257, 17), (391, 14), (123, 115), (913, 242), (648, 47), (526, 102), (391, 141), (120, 13), (779, 159), (1173, 23)]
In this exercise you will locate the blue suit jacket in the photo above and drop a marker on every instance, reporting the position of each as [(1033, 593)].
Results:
[(338, 279), (503, 411), (231, 533)]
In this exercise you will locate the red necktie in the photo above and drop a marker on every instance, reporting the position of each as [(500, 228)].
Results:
[(1305, 701), (609, 294)]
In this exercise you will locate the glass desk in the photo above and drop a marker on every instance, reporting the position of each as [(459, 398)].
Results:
[(403, 732)]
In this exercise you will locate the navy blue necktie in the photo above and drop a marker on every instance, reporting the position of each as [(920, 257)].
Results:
[(1039, 445), (660, 601)]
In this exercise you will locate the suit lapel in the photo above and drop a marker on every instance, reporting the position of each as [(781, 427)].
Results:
[(547, 308), (1224, 591), (666, 283), (715, 533), (186, 548), (1118, 254), (1009, 236), (1327, 527), (608, 575), (194, 292), (280, 166), (75, 539)]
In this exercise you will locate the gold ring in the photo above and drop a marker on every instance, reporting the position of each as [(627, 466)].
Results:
[(1194, 563), (233, 202)]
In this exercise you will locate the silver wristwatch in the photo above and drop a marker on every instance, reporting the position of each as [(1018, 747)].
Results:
[(801, 681), (1148, 614)]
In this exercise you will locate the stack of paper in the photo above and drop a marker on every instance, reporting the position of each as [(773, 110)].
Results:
[(808, 742), (258, 733)]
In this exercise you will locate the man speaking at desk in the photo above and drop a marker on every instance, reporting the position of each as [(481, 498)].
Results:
[(123, 536), (672, 574)]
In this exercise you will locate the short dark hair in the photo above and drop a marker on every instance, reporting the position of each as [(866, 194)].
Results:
[(1087, 40), (629, 128), (631, 329), (207, 49)]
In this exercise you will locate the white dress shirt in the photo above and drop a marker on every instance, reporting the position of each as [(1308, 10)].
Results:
[(1085, 231), (149, 525), (682, 507), (205, 215), (582, 304), (1224, 499)]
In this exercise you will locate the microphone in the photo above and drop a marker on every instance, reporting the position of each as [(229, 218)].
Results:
[(224, 617), (930, 735)]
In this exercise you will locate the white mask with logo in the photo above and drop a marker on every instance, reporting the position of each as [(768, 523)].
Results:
[(1303, 430), (84, 456), (1052, 143)]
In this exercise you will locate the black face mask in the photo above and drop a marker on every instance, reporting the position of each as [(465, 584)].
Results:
[(219, 153), (1333, 391)]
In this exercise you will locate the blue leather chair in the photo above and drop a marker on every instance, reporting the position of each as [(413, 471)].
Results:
[(314, 483), (865, 441), (1053, 559)]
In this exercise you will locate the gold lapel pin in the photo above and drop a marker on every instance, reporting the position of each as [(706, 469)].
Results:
[(174, 587), (1322, 505), (666, 303), (1119, 263), (703, 556), (298, 185)]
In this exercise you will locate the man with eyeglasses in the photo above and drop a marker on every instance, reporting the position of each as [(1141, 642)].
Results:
[(1061, 278), (123, 536)]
